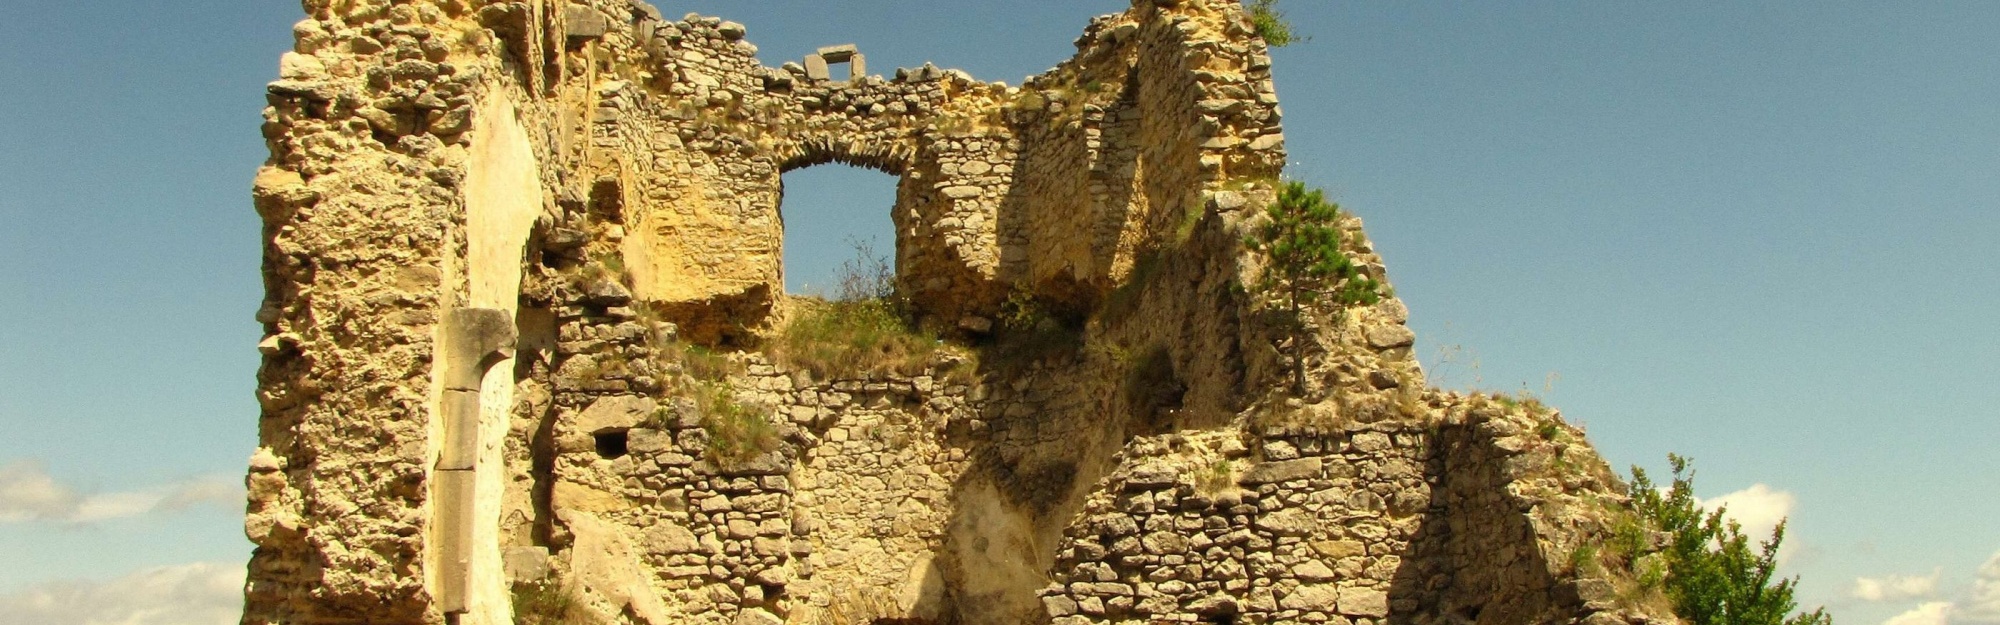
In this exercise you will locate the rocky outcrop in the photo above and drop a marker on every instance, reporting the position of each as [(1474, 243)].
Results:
[(519, 256)]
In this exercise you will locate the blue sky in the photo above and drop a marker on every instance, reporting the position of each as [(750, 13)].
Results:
[(1759, 234)]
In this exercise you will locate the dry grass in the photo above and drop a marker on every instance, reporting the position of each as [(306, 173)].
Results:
[(547, 602), (1216, 477), (851, 339), (736, 433)]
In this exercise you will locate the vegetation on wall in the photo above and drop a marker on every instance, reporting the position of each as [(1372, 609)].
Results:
[(547, 602), (736, 433), (1271, 24), (1713, 574), (1301, 239), (863, 331)]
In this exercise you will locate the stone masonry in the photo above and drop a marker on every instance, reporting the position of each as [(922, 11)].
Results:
[(520, 256)]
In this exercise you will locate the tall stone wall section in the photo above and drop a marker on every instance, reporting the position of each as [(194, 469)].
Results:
[(502, 237)]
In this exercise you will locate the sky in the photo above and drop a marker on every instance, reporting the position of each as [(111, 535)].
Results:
[(1760, 234)]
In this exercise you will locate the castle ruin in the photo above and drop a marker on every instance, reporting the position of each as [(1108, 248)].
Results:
[(518, 255)]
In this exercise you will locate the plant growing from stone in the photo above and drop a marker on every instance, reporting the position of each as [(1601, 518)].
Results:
[(1301, 238), (736, 433), (547, 602), (1271, 25), (862, 332), (1714, 576)]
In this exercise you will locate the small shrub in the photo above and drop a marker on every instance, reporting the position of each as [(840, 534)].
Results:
[(547, 602), (607, 266), (1218, 476), (863, 332), (736, 433), (1021, 312), (1271, 24), (1584, 561), (867, 275)]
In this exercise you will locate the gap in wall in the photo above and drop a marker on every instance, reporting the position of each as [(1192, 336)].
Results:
[(827, 210)]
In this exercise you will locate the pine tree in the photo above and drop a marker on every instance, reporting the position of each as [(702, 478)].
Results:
[(1302, 241)]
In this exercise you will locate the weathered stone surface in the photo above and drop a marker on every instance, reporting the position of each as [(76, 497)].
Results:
[(1314, 597), (1364, 602), (615, 413), (1390, 336), (1274, 472), (583, 22), (1287, 522), (527, 564)]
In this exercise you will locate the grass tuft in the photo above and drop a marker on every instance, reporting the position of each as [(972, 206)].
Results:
[(736, 433), (547, 602)]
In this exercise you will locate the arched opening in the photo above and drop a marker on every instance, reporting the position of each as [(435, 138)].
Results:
[(838, 227)]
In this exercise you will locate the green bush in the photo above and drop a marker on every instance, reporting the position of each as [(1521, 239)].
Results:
[(1713, 575), (1271, 24), (736, 433)]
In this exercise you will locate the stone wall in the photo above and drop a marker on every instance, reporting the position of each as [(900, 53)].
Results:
[(519, 256), (1455, 517)]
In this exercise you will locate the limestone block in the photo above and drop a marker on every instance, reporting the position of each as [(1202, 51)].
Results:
[(526, 564), (671, 539), (603, 563), (1285, 471), (460, 448), (1287, 522), (573, 496), (582, 23), (1314, 571), (839, 53), (816, 69), (475, 339), (1364, 602), (1388, 336), (615, 413), (646, 10), (1312, 597), (857, 67), (757, 616), (452, 533), (649, 441)]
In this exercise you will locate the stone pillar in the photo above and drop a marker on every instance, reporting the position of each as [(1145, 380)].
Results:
[(857, 67), (816, 67), (474, 340)]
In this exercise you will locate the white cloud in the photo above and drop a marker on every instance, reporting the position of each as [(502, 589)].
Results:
[(1934, 613), (28, 493), (1896, 587), (206, 593), (1982, 605), (1759, 508)]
